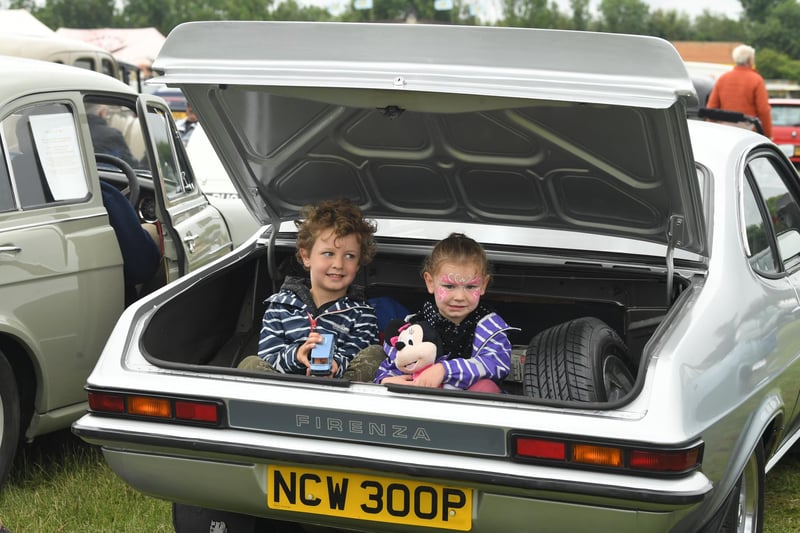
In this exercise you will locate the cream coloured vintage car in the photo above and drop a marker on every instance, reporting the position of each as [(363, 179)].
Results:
[(651, 262), (62, 273)]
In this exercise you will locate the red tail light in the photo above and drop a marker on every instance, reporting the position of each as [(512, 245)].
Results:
[(612, 457), (665, 461), (541, 448), (109, 403), (156, 408), (198, 411)]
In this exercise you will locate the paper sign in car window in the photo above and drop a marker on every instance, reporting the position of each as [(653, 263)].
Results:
[(60, 154)]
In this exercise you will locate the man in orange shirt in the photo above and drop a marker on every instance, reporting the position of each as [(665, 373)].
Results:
[(742, 89)]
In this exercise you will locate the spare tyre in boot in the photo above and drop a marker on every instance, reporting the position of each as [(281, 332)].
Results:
[(581, 360)]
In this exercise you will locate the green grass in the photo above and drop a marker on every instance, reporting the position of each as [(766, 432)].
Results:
[(60, 484)]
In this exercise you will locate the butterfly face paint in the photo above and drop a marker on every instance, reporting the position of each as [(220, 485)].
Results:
[(457, 289)]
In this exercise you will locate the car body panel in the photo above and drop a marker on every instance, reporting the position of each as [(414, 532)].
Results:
[(708, 298)]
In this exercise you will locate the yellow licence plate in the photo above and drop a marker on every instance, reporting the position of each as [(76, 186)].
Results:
[(381, 499), (797, 150)]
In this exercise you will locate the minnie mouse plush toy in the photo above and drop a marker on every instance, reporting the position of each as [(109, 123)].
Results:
[(417, 345)]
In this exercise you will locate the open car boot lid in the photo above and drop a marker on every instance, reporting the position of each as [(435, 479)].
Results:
[(591, 139)]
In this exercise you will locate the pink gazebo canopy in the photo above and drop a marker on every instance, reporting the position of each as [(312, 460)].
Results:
[(131, 45)]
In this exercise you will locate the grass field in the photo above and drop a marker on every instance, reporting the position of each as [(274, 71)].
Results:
[(60, 484)]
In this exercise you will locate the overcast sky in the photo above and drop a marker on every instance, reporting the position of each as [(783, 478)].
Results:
[(729, 8)]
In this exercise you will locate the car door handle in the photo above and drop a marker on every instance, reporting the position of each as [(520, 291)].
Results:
[(189, 240), (10, 249)]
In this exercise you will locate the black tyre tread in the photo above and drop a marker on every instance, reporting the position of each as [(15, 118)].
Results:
[(10, 427), (556, 362)]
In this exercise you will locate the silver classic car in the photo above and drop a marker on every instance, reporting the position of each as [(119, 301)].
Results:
[(71, 258), (650, 262)]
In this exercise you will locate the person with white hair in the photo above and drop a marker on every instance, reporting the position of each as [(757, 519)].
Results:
[(743, 89)]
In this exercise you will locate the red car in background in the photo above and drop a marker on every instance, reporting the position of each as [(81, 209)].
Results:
[(786, 126)]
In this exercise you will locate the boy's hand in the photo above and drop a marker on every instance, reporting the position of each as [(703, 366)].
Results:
[(334, 368), (433, 376), (402, 379), (304, 351)]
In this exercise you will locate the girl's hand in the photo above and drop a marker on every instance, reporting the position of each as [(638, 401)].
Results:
[(402, 379), (433, 376)]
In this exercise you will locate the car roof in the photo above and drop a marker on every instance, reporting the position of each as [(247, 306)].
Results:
[(22, 76), (39, 46)]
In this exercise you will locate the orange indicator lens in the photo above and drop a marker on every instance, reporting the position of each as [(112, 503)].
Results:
[(597, 455), (143, 406)]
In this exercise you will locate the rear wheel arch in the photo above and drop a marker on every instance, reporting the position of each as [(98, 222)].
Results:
[(771, 436), (21, 362), (17, 389)]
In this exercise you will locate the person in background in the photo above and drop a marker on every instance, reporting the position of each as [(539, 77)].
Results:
[(107, 139), (141, 254), (187, 125), (743, 89), (145, 69)]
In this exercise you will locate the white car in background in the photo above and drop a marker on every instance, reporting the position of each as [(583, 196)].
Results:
[(211, 175)]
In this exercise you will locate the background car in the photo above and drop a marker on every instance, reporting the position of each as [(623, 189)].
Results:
[(650, 262), (174, 98), (786, 126), (63, 282)]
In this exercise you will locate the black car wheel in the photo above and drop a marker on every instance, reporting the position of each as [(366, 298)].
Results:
[(580, 360), (9, 417)]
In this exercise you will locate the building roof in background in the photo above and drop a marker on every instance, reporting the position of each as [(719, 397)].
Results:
[(706, 52), (131, 45)]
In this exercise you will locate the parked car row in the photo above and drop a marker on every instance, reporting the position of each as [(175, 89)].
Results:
[(606, 214)]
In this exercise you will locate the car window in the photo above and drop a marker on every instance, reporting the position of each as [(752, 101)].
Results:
[(84, 62), (781, 207), (783, 115), (6, 193), (760, 253), (116, 131), (107, 67), (176, 180), (45, 154)]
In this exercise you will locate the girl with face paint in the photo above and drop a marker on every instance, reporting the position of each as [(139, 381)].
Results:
[(477, 352)]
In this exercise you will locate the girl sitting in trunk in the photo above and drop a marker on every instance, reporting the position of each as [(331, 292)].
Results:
[(477, 352)]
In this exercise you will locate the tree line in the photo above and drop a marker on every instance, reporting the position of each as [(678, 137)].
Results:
[(770, 26)]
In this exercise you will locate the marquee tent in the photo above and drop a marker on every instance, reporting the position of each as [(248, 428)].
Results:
[(131, 45), (20, 21)]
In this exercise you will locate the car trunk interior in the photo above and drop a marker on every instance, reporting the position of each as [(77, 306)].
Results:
[(217, 322)]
